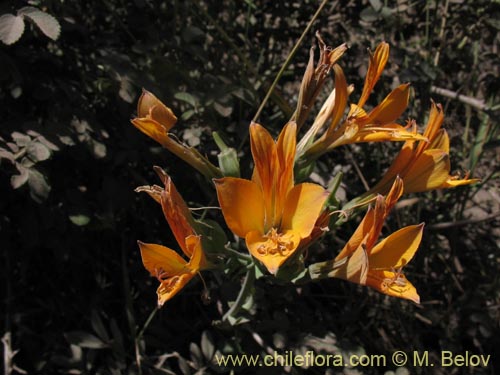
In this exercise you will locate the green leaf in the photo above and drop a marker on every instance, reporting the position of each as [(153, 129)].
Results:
[(85, 340), (44, 21), (376, 4), (369, 14), (11, 28), (37, 151), (185, 97), (79, 219)]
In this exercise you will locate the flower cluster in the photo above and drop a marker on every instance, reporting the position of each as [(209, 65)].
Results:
[(278, 215)]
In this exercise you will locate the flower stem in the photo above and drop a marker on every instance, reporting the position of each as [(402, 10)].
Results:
[(288, 60)]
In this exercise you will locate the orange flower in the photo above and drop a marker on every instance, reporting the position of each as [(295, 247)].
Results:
[(173, 271), (424, 165), (375, 126), (155, 120), (268, 211), (378, 265)]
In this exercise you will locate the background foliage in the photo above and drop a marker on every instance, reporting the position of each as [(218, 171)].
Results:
[(76, 298)]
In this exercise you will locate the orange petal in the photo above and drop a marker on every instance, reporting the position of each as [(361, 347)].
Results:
[(375, 69), (391, 107), (152, 129), (388, 132), (273, 249), (266, 164), (359, 234), (430, 171), (158, 258), (355, 268), (441, 141), (285, 148), (451, 183), (394, 194), (398, 249), (393, 284), (242, 205), (341, 96), (198, 261), (171, 286), (303, 205), (434, 123), (176, 212), (150, 106)]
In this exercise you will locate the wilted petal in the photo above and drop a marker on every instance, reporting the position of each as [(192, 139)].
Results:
[(150, 106), (242, 205), (152, 129)]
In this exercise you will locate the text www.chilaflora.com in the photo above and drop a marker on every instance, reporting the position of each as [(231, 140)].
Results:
[(288, 358)]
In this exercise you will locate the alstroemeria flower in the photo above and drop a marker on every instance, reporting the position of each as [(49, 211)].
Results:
[(379, 265), (424, 165), (155, 120), (268, 211), (378, 125), (173, 271)]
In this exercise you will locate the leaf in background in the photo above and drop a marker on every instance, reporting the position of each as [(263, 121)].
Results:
[(85, 340), (185, 97), (39, 188), (44, 21), (207, 345), (20, 179), (79, 219), (223, 110), (11, 28), (21, 139), (37, 151), (127, 91)]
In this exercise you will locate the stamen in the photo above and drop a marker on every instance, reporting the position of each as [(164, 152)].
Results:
[(276, 243)]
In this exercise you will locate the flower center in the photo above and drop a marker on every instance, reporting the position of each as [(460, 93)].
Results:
[(398, 280), (276, 243)]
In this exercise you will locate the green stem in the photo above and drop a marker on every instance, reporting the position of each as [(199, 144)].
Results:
[(245, 291), (288, 60)]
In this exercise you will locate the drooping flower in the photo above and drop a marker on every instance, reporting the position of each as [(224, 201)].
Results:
[(378, 265), (424, 165), (378, 125), (172, 270), (155, 120), (268, 211)]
